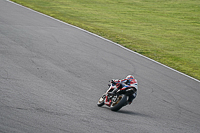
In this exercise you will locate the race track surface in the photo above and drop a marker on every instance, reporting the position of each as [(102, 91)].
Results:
[(52, 75)]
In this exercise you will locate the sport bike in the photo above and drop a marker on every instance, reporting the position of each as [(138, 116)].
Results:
[(118, 99)]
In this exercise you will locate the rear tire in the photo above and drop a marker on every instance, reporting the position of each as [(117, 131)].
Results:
[(121, 101)]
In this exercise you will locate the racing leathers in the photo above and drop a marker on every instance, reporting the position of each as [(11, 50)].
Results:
[(127, 81)]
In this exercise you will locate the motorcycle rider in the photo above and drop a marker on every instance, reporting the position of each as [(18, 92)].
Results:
[(129, 80)]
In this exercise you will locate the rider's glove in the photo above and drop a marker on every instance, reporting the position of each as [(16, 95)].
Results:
[(113, 82), (127, 82)]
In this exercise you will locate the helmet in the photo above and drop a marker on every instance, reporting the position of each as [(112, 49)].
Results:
[(130, 77)]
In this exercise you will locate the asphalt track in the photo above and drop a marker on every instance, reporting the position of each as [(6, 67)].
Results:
[(52, 74)]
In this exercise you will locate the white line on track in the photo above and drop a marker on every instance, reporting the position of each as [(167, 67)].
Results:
[(106, 40)]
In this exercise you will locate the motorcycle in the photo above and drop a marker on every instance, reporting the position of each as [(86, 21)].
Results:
[(118, 99)]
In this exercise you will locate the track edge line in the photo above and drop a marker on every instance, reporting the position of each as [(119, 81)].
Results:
[(106, 40)]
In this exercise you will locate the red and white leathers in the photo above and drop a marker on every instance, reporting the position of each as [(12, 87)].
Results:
[(129, 80)]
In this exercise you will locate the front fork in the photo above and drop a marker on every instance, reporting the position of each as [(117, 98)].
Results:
[(108, 98)]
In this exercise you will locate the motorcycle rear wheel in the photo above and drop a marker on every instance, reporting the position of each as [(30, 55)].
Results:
[(119, 103)]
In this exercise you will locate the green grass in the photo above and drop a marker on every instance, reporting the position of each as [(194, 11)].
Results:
[(167, 31)]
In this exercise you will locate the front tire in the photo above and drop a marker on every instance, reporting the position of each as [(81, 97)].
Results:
[(101, 101), (119, 103)]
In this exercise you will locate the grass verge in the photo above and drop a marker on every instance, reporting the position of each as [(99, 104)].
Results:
[(167, 31)]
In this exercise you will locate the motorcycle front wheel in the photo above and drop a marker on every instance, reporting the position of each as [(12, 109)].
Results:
[(118, 103), (101, 101)]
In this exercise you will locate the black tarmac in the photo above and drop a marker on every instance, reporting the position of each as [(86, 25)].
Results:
[(52, 75)]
